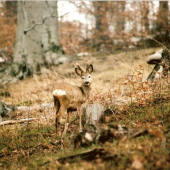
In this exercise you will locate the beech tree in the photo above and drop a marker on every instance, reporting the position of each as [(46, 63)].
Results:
[(37, 40), (144, 16), (162, 22), (101, 23), (8, 29), (119, 19), (37, 37)]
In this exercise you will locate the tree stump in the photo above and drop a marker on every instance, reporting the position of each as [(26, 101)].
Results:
[(93, 113), (5, 109)]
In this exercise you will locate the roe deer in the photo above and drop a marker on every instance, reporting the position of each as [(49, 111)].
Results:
[(68, 97)]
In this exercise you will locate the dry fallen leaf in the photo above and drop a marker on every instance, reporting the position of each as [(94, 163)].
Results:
[(137, 164)]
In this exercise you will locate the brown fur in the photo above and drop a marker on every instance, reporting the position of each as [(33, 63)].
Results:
[(72, 97)]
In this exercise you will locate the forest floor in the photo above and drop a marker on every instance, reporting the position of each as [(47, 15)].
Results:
[(137, 132)]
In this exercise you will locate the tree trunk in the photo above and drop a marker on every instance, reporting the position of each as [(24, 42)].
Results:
[(37, 39), (162, 16), (11, 6), (101, 25), (162, 23), (120, 22), (144, 15)]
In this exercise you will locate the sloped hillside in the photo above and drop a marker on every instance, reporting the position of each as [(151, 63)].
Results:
[(133, 133)]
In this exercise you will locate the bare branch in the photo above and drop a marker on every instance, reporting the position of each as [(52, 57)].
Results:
[(89, 10)]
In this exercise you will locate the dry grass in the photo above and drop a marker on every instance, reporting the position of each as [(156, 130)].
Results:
[(118, 82), (110, 70)]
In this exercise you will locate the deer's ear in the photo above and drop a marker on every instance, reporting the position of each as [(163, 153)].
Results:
[(90, 68), (78, 71)]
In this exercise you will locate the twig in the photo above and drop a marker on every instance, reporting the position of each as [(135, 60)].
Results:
[(137, 134), (155, 41)]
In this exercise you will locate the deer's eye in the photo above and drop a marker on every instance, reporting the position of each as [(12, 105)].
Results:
[(89, 76), (82, 77)]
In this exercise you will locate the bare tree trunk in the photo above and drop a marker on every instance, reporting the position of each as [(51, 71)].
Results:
[(11, 7), (120, 23), (162, 23), (162, 16), (101, 26), (144, 15), (37, 38)]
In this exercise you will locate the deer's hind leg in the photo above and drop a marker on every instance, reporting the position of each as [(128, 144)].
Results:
[(57, 107), (64, 103), (66, 123)]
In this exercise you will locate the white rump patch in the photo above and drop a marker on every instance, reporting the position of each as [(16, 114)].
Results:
[(59, 92)]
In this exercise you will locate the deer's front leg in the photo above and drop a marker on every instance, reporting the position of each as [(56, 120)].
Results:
[(79, 115)]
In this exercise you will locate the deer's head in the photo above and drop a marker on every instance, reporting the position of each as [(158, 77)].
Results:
[(85, 75)]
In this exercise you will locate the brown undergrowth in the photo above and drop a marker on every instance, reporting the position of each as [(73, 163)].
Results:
[(138, 107)]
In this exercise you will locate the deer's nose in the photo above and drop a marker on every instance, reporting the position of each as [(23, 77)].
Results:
[(86, 82)]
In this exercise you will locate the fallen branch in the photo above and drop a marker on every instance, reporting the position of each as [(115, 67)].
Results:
[(87, 155), (38, 107), (141, 132), (11, 122)]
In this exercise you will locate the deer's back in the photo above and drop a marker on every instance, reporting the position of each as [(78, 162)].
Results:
[(70, 92)]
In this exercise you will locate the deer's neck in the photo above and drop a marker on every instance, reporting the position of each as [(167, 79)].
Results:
[(86, 91)]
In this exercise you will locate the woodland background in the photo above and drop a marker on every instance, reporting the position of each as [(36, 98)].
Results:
[(109, 26), (39, 46)]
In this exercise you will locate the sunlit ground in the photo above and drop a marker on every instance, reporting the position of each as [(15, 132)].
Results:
[(34, 144)]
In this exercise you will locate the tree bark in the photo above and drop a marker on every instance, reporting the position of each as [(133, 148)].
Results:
[(37, 39), (101, 25), (120, 22), (162, 16), (144, 15), (162, 23)]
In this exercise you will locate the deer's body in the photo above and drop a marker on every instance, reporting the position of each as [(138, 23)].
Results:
[(68, 97)]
